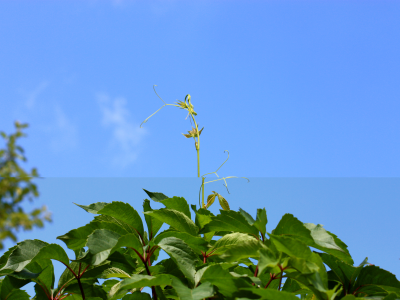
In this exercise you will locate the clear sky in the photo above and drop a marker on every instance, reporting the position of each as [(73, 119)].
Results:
[(291, 88)]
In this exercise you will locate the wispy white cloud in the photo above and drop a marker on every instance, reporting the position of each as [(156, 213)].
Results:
[(31, 97), (126, 135), (64, 132)]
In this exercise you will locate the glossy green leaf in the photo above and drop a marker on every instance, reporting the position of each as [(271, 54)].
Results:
[(10, 284), (103, 242), (235, 246), (139, 281), (222, 201), (125, 213), (205, 290), (18, 295), (137, 296), (223, 280), (156, 196), (267, 260), (23, 254), (182, 255), (194, 242), (291, 226), (94, 207), (291, 246), (53, 251), (373, 275), (119, 210), (175, 219), (261, 220), (77, 238), (203, 217), (230, 220), (270, 294), (100, 244), (177, 203), (153, 224)]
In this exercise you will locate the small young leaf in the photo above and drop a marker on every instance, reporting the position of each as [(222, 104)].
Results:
[(222, 201)]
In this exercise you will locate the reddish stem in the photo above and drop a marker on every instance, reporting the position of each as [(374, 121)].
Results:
[(273, 276), (280, 279), (78, 279), (45, 291), (147, 270)]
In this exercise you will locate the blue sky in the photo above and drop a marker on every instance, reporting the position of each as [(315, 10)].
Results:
[(293, 89)]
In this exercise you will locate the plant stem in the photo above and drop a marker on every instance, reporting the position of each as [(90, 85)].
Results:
[(202, 190), (198, 158), (153, 290), (280, 279), (270, 280)]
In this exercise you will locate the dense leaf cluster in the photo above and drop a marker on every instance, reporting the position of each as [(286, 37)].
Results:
[(16, 185), (226, 256)]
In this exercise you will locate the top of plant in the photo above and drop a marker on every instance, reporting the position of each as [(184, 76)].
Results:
[(231, 255)]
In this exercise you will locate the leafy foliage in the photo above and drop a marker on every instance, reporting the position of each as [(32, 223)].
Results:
[(16, 185), (227, 256)]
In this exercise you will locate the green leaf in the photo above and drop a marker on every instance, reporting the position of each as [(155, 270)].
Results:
[(124, 212), (261, 220), (53, 251), (223, 280), (10, 284), (291, 246), (177, 203), (321, 236), (90, 290), (203, 217), (156, 196), (23, 254), (222, 201), (373, 275), (100, 244), (230, 220), (103, 242), (5, 256), (153, 224), (137, 296), (120, 211), (291, 226), (139, 281), (267, 260), (176, 219), (247, 216), (205, 290), (77, 238), (182, 255), (18, 295), (93, 208), (235, 246), (194, 242), (270, 294)]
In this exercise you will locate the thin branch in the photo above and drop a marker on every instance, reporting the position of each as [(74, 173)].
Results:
[(165, 104), (226, 185)]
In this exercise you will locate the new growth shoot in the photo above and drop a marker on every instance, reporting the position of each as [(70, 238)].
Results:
[(195, 134)]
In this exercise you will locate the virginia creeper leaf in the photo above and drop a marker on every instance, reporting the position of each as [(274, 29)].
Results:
[(153, 224), (23, 254), (156, 196), (230, 220), (182, 255), (203, 291), (175, 219)]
